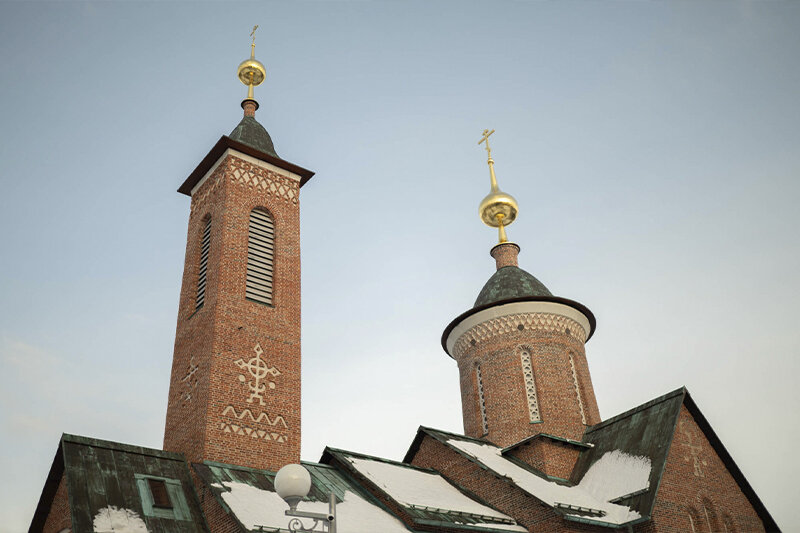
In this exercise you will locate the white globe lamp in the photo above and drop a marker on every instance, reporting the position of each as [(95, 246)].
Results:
[(292, 483)]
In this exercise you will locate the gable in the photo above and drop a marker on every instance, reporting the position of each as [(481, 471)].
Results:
[(52, 485), (702, 487), (108, 488), (671, 431), (645, 431)]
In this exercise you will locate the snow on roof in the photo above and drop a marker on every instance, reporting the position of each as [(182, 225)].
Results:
[(113, 519), (615, 474), (413, 487), (255, 507)]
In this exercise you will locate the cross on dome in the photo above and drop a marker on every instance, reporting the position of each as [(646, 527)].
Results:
[(497, 209)]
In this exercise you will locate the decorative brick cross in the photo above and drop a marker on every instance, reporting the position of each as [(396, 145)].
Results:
[(259, 370)]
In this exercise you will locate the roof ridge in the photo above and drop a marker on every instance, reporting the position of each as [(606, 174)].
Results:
[(729, 463), (509, 458), (338, 451), (631, 412), (460, 436), (130, 448), (532, 438)]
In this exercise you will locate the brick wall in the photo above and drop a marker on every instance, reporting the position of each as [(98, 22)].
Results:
[(697, 493), (562, 407), (217, 519), (221, 420), (59, 516), (498, 492), (552, 457)]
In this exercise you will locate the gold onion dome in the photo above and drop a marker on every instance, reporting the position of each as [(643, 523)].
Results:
[(498, 209), (497, 203)]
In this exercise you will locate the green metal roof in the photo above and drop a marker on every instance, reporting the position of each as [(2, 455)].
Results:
[(510, 282), (102, 476), (646, 430), (253, 134)]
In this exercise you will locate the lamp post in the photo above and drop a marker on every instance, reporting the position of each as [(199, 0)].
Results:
[(292, 483)]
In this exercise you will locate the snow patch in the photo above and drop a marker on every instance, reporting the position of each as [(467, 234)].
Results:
[(616, 474), (112, 519), (257, 507), (415, 487), (633, 470), (410, 486)]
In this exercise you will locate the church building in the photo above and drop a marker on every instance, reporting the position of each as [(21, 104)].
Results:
[(535, 455)]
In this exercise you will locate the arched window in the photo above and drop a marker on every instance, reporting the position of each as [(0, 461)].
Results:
[(696, 522), (530, 384), (260, 257), (205, 243), (710, 515)]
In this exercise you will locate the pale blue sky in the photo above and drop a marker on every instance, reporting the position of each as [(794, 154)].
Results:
[(653, 148)]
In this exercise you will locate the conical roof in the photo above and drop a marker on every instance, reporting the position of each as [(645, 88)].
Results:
[(510, 282), (253, 134)]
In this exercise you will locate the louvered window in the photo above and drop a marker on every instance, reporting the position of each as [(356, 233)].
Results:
[(260, 258), (205, 242)]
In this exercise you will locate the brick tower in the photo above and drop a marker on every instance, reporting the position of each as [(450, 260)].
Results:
[(235, 387), (520, 351)]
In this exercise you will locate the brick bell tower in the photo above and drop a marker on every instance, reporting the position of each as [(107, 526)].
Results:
[(235, 388), (520, 350)]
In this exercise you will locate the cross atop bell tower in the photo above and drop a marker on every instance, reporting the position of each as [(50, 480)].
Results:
[(235, 387)]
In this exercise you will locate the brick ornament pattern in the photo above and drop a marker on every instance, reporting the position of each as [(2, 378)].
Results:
[(249, 175), (530, 385), (577, 387), (244, 424), (507, 324), (258, 370), (190, 380), (208, 189)]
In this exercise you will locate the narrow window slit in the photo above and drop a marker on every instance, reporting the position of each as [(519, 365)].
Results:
[(481, 400), (205, 244)]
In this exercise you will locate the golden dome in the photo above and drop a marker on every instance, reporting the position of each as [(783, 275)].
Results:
[(498, 208), (251, 72)]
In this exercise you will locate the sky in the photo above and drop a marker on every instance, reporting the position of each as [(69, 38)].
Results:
[(652, 147)]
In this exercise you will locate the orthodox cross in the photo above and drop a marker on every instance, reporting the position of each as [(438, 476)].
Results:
[(253, 33), (485, 137)]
